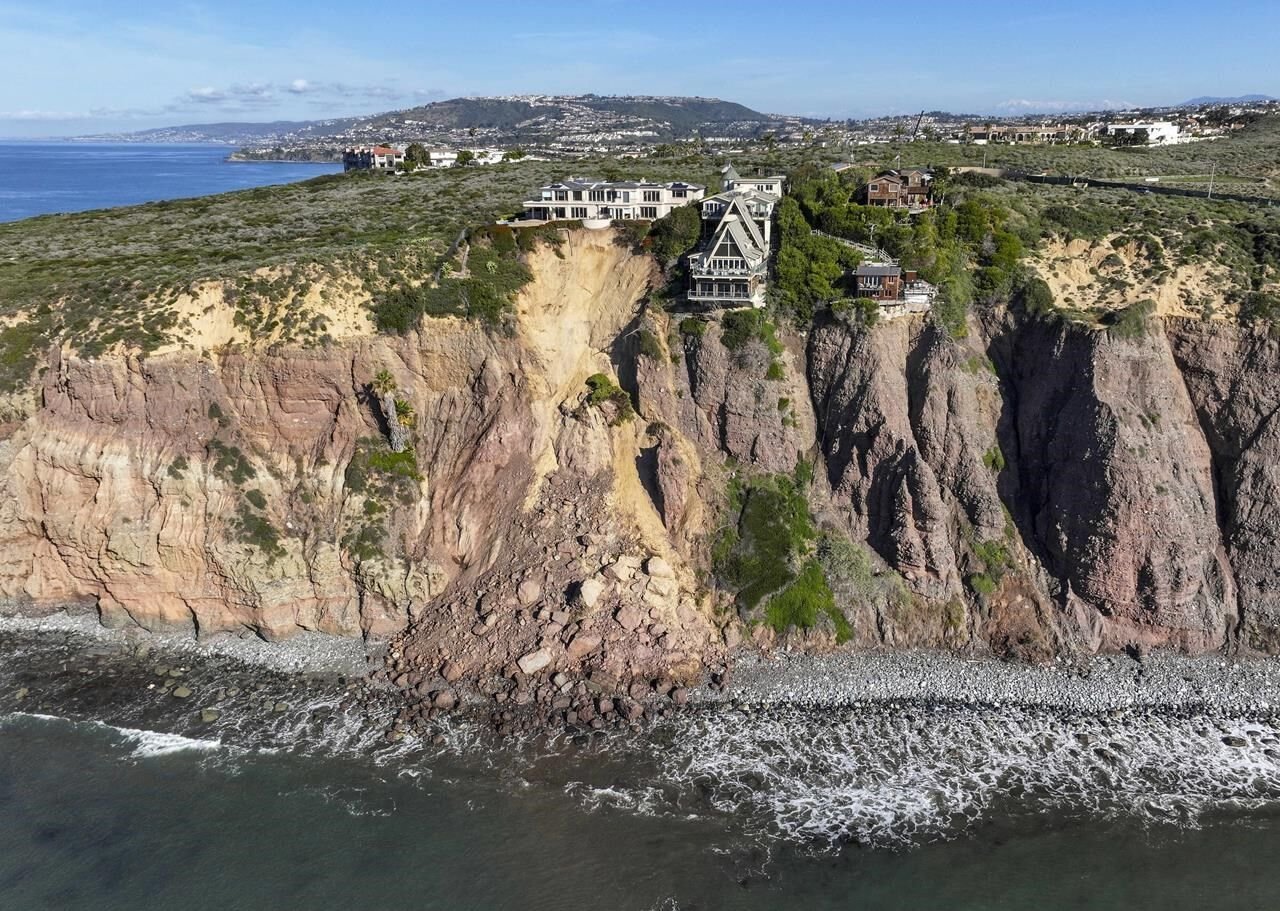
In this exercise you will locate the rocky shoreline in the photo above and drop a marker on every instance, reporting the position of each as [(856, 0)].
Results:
[(1106, 683), (183, 683)]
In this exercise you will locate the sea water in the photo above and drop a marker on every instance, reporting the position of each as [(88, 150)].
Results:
[(40, 178), (114, 795)]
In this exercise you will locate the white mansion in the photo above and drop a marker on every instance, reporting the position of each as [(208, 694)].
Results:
[(579, 198), (732, 268)]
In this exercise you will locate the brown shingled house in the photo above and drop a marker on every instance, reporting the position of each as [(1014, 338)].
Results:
[(905, 188)]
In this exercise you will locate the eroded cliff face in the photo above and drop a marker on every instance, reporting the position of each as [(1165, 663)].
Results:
[(1032, 489)]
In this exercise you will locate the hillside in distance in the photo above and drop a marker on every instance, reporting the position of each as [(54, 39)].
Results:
[(1217, 99), (504, 120)]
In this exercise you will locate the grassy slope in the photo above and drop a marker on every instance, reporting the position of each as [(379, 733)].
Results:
[(105, 279), (1245, 160)]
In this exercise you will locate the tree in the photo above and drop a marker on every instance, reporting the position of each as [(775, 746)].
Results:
[(416, 155), (514, 154), (385, 387), (466, 156), (406, 417)]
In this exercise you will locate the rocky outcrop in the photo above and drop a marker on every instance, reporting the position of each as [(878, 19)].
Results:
[(1110, 483), (1232, 377)]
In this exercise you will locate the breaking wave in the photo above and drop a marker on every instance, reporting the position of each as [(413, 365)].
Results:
[(145, 744), (896, 779)]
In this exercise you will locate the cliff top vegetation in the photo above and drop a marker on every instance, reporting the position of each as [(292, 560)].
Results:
[(112, 279)]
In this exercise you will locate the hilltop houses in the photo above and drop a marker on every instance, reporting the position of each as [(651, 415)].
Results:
[(904, 188), (581, 198), (732, 267), (377, 158)]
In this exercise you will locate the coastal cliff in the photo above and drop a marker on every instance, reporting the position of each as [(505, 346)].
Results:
[(1035, 488)]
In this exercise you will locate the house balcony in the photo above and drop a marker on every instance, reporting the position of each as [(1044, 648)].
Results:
[(740, 274), (734, 297)]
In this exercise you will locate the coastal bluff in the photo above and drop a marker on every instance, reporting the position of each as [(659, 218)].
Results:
[(1038, 488)]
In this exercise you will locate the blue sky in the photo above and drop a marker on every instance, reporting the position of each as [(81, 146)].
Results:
[(76, 66)]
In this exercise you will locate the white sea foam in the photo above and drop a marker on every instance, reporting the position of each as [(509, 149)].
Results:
[(149, 744), (642, 800), (894, 780), (146, 744)]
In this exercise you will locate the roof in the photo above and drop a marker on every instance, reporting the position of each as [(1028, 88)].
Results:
[(729, 172), (590, 183), (877, 269), (728, 196), (386, 150), (745, 217), (737, 232)]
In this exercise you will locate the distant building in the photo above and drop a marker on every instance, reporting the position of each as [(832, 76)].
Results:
[(904, 188), (581, 198), (1026, 132), (378, 158), (441, 158), (732, 267), (1158, 132)]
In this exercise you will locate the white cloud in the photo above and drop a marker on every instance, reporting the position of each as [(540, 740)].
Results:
[(1030, 106), (42, 115)]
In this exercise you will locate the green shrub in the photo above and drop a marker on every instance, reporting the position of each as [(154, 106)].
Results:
[(650, 347), (770, 528), (229, 463), (802, 603), (993, 458), (631, 234), (983, 584), (1083, 220), (256, 498), (255, 530), (741, 326), (1131, 322), (604, 389), (1036, 296), (693, 327), (178, 466), (1259, 306), (676, 233)]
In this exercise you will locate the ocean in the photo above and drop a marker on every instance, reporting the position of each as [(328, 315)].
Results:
[(41, 178), (114, 794)]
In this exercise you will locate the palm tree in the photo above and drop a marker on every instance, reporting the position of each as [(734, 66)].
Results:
[(406, 417), (385, 387)]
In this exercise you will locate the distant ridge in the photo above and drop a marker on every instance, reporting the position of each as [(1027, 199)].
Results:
[(1217, 99), (501, 120)]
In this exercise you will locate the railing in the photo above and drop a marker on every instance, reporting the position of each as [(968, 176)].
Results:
[(714, 295), (725, 273)]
